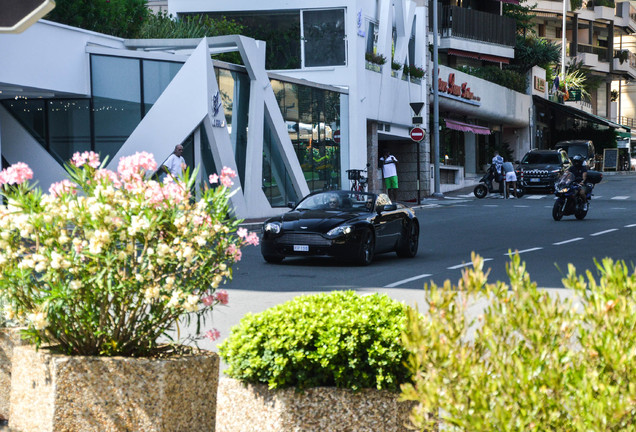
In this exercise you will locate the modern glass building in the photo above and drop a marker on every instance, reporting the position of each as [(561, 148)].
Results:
[(301, 149)]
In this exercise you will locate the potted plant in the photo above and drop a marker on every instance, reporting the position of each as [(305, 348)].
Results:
[(333, 360), (374, 61), (395, 68), (101, 269), (416, 73), (406, 71)]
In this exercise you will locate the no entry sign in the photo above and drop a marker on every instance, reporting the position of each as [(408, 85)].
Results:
[(417, 134), (336, 137)]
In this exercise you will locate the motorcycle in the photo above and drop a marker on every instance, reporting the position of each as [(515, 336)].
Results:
[(485, 184), (568, 201)]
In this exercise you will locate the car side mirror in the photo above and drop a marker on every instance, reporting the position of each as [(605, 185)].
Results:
[(517, 162), (387, 207), (291, 204)]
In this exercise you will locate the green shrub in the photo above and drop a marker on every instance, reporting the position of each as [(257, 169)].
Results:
[(532, 361), (506, 78), (375, 58), (337, 339)]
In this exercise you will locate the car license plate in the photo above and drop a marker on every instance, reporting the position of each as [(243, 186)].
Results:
[(301, 248), (534, 180)]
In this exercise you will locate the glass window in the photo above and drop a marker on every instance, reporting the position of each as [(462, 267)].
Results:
[(30, 114), (116, 87), (372, 37), (277, 184), (324, 37), (69, 127), (234, 88), (157, 75)]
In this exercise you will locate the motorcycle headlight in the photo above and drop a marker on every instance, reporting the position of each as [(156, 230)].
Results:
[(272, 227), (340, 230)]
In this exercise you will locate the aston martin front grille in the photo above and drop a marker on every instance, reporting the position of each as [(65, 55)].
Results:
[(303, 239)]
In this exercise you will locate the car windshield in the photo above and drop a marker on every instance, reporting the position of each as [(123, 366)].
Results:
[(540, 158), (577, 149), (339, 201)]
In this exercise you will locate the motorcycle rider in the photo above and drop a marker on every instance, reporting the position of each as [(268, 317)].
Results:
[(580, 176)]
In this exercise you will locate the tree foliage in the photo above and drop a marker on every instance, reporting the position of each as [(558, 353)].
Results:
[(122, 18)]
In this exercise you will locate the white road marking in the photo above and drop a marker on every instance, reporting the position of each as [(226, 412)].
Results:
[(535, 196), (630, 226), (620, 197), (567, 241), (466, 196), (604, 232), (465, 264), (491, 205), (523, 251), (618, 208), (522, 206), (394, 284)]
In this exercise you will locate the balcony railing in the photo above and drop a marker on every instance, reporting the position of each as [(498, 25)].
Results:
[(454, 21), (631, 58), (627, 121), (601, 52)]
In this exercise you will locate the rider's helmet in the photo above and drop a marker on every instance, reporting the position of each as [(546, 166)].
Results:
[(577, 160)]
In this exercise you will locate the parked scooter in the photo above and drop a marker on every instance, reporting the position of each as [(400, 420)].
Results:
[(568, 199), (485, 185)]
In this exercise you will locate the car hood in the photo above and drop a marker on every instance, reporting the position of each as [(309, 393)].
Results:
[(548, 167), (315, 220)]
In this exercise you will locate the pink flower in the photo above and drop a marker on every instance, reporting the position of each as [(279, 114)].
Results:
[(241, 232), (222, 296), (87, 157), (213, 178), (207, 300), (133, 168), (233, 252), (213, 334), (16, 174), (62, 187), (226, 176), (252, 239), (108, 175)]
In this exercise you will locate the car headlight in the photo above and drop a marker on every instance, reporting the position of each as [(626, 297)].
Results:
[(272, 227), (340, 230)]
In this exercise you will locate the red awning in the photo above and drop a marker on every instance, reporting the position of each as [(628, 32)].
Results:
[(478, 56), (465, 127)]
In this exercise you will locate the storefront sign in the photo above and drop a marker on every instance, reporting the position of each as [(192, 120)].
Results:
[(539, 84), (460, 90)]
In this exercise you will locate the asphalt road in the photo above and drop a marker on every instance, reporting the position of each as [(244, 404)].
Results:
[(450, 229)]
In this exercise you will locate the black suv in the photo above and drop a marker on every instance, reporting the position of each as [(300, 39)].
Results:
[(539, 169)]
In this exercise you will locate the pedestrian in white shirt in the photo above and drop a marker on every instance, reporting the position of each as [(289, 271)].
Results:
[(175, 164), (389, 171)]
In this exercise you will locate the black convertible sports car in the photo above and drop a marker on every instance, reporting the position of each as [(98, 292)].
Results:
[(345, 224)]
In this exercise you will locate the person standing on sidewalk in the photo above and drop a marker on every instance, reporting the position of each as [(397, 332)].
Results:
[(497, 161), (389, 171)]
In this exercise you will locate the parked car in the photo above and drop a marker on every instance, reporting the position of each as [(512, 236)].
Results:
[(349, 225), (539, 169), (583, 147)]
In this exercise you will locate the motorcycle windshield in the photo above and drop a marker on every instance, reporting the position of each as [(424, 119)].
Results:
[(565, 180)]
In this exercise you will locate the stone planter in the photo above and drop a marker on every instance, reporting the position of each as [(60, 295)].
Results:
[(56, 393), (255, 408), (9, 338)]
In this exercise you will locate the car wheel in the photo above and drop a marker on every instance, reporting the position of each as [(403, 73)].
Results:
[(557, 211), (407, 248), (274, 259), (367, 248), (480, 191)]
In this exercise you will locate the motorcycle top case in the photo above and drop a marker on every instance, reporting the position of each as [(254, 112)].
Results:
[(594, 177)]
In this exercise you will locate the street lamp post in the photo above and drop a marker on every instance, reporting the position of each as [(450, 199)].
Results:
[(563, 42)]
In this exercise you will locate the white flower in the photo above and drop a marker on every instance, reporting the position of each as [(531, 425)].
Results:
[(151, 293), (75, 285), (38, 319), (191, 303)]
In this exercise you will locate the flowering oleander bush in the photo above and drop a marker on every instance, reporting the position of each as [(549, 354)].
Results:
[(108, 262)]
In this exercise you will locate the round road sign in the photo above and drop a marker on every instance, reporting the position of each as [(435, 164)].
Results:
[(336, 137), (417, 134)]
